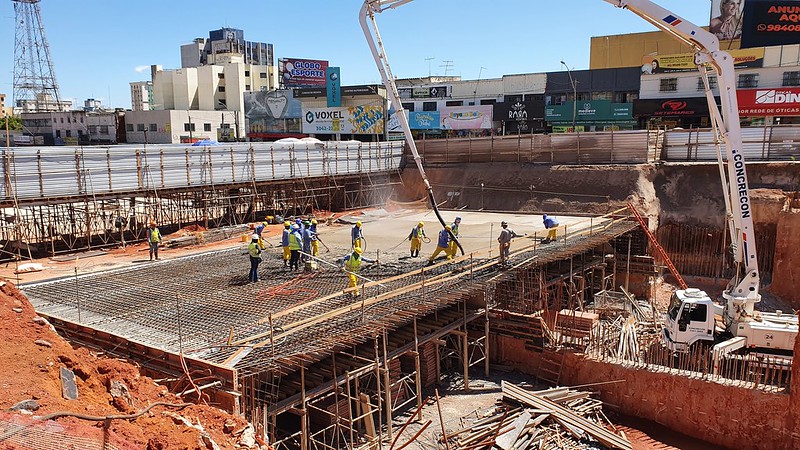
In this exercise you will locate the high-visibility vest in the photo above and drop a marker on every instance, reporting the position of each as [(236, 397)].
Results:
[(295, 241), (418, 232), (353, 263), (155, 236), (254, 249), (454, 229)]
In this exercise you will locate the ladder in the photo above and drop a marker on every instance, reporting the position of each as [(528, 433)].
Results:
[(658, 246)]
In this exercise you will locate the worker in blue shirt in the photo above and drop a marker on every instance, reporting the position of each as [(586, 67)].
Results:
[(551, 224), (295, 245), (287, 252), (314, 238), (443, 245), (308, 235), (357, 236)]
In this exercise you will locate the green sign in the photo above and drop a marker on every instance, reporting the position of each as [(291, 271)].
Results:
[(589, 111)]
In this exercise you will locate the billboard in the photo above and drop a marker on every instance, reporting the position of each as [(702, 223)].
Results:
[(350, 120), (675, 107), (591, 110), (303, 72), (417, 120), (333, 86), (466, 117), (771, 22), (684, 62), (518, 111), (769, 102), (273, 111), (726, 19)]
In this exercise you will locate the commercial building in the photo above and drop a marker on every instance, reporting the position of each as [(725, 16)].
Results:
[(73, 127), (177, 126), (221, 45), (141, 95), (361, 116), (43, 103)]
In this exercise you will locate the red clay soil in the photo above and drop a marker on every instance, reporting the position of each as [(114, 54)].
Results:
[(31, 358)]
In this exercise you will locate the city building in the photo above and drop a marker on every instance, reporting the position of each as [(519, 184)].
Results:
[(361, 116), (72, 127), (141, 95), (91, 105), (221, 45), (179, 126), (43, 103)]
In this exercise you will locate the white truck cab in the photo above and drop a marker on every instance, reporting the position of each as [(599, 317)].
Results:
[(690, 319)]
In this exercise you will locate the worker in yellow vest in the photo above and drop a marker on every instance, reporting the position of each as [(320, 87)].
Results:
[(254, 250), (287, 252), (417, 233), (295, 245), (452, 248), (352, 263), (153, 238)]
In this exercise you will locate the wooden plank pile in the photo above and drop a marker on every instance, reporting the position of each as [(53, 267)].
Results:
[(576, 323), (528, 327), (553, 419)]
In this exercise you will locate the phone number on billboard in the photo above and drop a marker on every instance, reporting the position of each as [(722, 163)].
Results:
[(771, 27)]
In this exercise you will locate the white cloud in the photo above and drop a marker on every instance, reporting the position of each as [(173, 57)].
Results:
[(140, 69)]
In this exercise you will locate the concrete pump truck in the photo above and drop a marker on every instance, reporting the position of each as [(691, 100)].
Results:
[(691, 318)]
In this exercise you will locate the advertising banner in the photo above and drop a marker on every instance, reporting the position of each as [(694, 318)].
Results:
[(417, 120), (770, 22), (518, 111), (726, 19), (684, 62), (677, 107), (303, 72), (333, 87), (590, 111), (769, 102), (350, 120), (466, 117), (273, 111)]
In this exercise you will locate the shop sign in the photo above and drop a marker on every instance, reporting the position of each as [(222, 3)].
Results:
[(350, 120), (304, 72), (769, 22), (677, 107), (769, 102), (589, 111), (466, 117), (518, 111), (417, 120), (684, 62)]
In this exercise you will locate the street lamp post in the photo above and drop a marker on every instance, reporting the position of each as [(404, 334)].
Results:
[(574, 95)]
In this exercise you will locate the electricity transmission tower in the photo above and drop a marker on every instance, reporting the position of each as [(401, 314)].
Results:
[(35, 86)]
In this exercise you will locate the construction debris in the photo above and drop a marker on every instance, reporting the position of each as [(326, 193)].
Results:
[(560, 418)]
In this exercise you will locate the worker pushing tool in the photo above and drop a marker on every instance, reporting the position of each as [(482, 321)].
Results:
[(416, 235), (154, 239), (357, 236), (295, 246), (506, 235), (254, 250), (453, 248), (443, 245), (307, 235), (551, 224), (314, 238), (352, 263)]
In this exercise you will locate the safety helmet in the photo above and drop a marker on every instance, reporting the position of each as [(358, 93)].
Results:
[(313, 221), (458, 218), (152, 223), (298, 220), (287, 224), (306, 222), (422, 224), (504, 223), (544, 216), (252, 226), (358, 250), (295, 226), (255, 237), (447, 227), (358, 224)]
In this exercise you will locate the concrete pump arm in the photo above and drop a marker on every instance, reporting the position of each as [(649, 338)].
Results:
[(742, 291)]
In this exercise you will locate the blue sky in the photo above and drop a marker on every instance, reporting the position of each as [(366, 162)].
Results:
[(99, 46)]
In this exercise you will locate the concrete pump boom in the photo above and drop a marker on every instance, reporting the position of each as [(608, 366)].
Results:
[(742, 291)]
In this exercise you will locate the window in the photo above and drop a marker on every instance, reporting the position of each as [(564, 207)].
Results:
[(128, 127), (69, 133), (712, 83), (221, 76), (556, 99), (247, 73), (153, 127), (791, 78), (139, 127), (534, 97), (408, 106), (489, 101), (584, 96), (188, 127), (221, 89), (429, 106), (103, 129), (93, 129), (669, 85), (81, 119), (511, 99), (625, 97), (747, 80), (455, 103), (62, 120), (58, 133), (263, 75), (603, 95), (246, 87), (206, 127), (698, 313)]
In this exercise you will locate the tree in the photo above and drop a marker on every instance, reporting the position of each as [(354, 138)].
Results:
[(14, 123)]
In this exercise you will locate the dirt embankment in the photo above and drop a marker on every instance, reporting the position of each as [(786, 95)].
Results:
[(32, 358)]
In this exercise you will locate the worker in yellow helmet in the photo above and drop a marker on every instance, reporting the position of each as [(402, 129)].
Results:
[(254, 250), (443, 245), (314, 238), (154, 239), (352, 263), (417, 233), (357, 235), (452, 248)]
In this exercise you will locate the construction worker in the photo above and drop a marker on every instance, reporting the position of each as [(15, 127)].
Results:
[(357, 235), (552, 225), (254, 250), (351, 263), (295, 244), (153, 238), (287, 252), (307, 235), (453, 248), (314, 238), (443, 245), (258, 229), (416, 235), (506, 234)]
